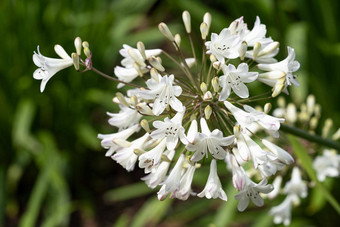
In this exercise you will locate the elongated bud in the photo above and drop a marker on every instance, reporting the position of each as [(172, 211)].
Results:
[(207, 112), (204, 30), (267, 107), (336, 135), (163, 28), (242, 50), (138, 69), (122, 142), (156, 64), (281, 102), (217, 65), (159, 59), (154, 74), (75, 58), (133, 100), (187, 21), (85, 44), (272, 75), (212, 58), (215, 85), (204, 87), (121, 99), (144, 109), (138, 152), (317, 110), (313, 123), (279, 86), (256, 50), (291, 114), (77, 45), (237, 130), (141, 49), (207, 19), (269, 48), (87, 52), (178, 40), (133, 54), (327, 127), (207, 96), (310, 104), (145, 125)]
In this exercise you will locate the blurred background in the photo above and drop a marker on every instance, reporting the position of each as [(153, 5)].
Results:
[(53, 171)]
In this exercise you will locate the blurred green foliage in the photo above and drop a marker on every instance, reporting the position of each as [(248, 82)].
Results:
[(51, 173)]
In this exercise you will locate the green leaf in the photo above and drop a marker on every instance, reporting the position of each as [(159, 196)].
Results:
[(307, 164)]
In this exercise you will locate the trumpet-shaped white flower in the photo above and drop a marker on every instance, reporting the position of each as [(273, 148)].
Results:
[(171, 129), (48, 67), (153, 157), (251, 190), (327, 165), (296, 186), (281, 154), (172, 182), (234, 79), (224, 45), (164, 94), (213, 188), (185, 185), (286, 67), (125, 118), (108, 139), (209, 141), (283, 212), (158, 173), (245, 119), (126, 156)]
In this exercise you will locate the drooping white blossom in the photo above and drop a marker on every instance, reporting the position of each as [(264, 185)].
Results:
[(327, 165), (184, 190), (153, 157), (296, 186), (283, 212), (125, 118)]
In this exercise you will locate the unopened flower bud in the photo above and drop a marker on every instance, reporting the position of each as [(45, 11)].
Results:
[(77, 45), (75, 58), (121, 142), (279, 86), (317, 110), (207, 19), (212, 58), (215, 85), (327, 127), (281, 102), (204, 87), (163, 28), (256, 50), (187, 21), (207, 112), (178, 40), (145, 125), (144, 109), (156, 64), (267, 107), (336, 135), (310, 104), (133, 100), (237, 130), (242, 50), (291, 114), (272, 75), (269, 49), (159, 59), (154, 74), (207, 96), (313, 123), (121, 99), (217, 65), (141, 49), (137, 68), (87, 52), (204, 30), (138, 152), (134, 55), (85, 44)]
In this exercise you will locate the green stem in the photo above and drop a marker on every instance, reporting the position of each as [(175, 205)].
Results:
[(112, 78), (310, 137)]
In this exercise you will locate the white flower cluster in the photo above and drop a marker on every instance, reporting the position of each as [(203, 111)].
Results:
[(197, 111)]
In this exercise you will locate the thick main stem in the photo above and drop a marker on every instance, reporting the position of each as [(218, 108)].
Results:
[(310, 137)]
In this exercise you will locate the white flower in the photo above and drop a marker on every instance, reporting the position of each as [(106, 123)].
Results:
[(245, 119), (213, 188), (285, 67), (108, 139), (158, 173), (270, 166), (327, 165), (234, 79), (250, 189), (266, 53), (171, 129), (152, 158), (172, 182), (281, 154), (50, 66), (207, 140), (125, 118), (296, 186), (224, 45), (126, 156), (277, 185), (283, 212), (185, 185), (164, 93)]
